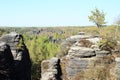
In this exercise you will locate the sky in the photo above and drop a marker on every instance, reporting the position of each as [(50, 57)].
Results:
[(47, 13)]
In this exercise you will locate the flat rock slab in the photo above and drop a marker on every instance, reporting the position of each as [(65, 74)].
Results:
[(81, 52), (102, 53)]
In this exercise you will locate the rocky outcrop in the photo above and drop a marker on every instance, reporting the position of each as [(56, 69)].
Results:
[(6, 62), (81, 52), (51, 69), (85, 58), (21, 60), (83, 62), (77, 38)]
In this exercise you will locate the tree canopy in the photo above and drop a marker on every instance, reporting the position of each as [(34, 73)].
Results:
[(97, 17)]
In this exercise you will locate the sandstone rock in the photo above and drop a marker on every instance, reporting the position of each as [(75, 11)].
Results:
[(6, 62), (51, 69), (22, 63), (82, 61), (81, 33), (77, 37), (71, 67), (79, 60), (94, 40), (102, 53), (75, 65), (81, 52)]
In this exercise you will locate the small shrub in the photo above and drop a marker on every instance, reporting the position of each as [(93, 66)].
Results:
[(107, 44), (20, 44)]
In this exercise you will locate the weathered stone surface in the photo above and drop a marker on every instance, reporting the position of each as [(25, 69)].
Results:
[(71, 67), (77, 37), (94, 40), (77, 60), (6, 62), (75, 65), (102, 53), (81, 52), (51, 69), (81, 60), (81, 33), (22, 63)]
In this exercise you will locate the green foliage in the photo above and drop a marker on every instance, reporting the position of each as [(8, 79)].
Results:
[(40, 48), (107, 44), (97, 17), (2, 31), (36, 71), (20, 45)]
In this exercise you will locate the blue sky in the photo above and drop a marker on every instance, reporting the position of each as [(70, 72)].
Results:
[(54, 12)]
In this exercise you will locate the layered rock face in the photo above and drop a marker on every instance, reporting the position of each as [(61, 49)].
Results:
[(81, 61), (21, 64), (84, 62), (51, 69)]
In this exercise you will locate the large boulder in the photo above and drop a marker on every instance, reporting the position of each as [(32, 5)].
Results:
[(81, 52), (81, 61), (22, 63), (6, 62), (77, 60), (77, 37), (51, 69)]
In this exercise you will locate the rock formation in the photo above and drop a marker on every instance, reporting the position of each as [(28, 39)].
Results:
[(21, 60), (51, 69), (83, 62), (6, 62), (80, 59)]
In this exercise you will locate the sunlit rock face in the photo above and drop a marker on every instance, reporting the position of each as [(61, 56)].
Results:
[(51, 69), (81, 62), (85, 62), (21, 59)]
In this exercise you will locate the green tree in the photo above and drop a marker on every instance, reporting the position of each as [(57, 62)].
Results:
[(97, 17)]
